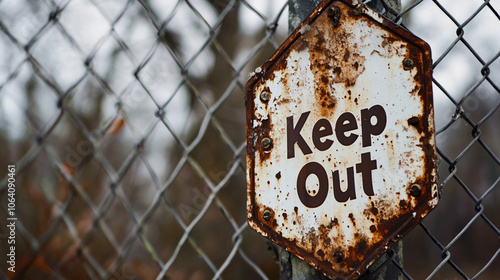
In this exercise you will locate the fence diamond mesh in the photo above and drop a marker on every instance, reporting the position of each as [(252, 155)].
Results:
[(123, 123)]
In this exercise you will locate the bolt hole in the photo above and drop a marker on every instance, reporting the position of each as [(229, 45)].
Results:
[(267, 215)]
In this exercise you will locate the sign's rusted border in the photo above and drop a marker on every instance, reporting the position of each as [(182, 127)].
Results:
[(424, 77)]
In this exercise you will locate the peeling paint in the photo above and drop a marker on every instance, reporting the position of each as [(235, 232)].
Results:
[(352, 131)]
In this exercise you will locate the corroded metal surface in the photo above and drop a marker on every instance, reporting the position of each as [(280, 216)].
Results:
[(341, 158)]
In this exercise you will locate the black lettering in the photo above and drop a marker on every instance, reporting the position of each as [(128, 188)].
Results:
[(350, 193), (365, 168), (293, 135), (318, 170), (322, 128), (366, 125), (345, 123)]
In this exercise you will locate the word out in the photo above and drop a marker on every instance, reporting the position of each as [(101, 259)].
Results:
[(373, 123)]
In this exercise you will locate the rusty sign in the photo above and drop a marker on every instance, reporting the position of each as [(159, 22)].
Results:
[(341, 159)]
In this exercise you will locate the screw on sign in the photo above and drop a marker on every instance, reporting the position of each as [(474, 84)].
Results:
[(341, 159)]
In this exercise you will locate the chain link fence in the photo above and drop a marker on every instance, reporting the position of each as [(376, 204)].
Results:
[(124, 122)]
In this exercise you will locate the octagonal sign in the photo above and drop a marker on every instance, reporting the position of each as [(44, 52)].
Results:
[(341, 158)]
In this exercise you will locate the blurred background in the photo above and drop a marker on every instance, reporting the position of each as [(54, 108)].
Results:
[(125, 120)]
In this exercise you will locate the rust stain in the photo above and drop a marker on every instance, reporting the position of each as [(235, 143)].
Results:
[(331, 54)]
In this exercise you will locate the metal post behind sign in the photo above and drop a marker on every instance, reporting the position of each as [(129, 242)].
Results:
[(291, 267)]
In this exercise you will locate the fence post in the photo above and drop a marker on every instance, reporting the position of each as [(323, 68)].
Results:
[(291, 267)]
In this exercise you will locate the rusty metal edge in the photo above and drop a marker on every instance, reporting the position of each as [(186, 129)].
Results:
[(428, 128)]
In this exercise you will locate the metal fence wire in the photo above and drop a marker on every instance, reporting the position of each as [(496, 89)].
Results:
[(125, 122)]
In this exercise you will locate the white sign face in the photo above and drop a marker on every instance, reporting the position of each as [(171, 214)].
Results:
[(341, 154)]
